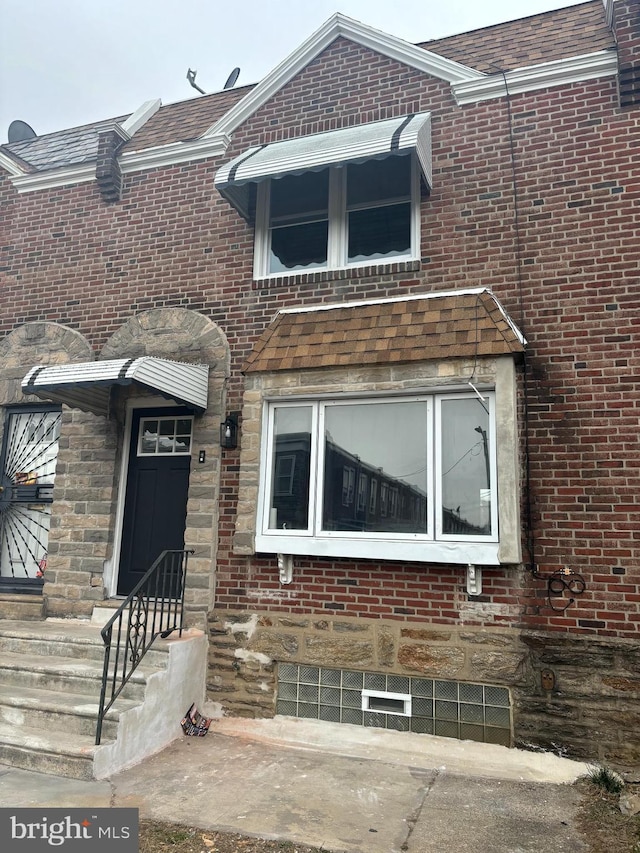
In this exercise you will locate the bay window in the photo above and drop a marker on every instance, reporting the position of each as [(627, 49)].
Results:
[(399, 477)]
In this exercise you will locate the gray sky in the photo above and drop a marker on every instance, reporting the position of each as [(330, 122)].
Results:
[(69, 62)]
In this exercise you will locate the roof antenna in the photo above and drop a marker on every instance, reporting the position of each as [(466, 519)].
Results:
[(191, 77), (231, 79)]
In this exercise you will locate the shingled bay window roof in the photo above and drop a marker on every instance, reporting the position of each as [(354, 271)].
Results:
[(452, 324)]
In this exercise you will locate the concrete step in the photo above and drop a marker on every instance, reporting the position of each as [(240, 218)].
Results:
[(58, 753), (64, 638), (75, 675), (104, 611), (24, 607), (53, 711), (50, 680)]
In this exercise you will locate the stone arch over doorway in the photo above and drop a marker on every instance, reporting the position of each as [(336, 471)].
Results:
[(73, 559), (180, 334), (173, 333), (37, 343)]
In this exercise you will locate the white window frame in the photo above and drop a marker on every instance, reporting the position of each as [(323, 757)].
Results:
[(338, 211), (432, 546)]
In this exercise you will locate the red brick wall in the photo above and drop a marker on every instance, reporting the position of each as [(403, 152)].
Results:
[(173, 241)]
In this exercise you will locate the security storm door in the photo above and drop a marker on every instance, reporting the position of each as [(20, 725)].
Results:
[(27, 475), (155, 507)]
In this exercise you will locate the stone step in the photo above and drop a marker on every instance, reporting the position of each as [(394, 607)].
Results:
[(59, 753), (75, 675), (54, 711), (24, 607), (64, 638)]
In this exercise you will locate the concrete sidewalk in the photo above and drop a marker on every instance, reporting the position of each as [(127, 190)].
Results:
[(341, 788)]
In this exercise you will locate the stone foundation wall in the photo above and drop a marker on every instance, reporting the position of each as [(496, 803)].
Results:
[(245, 647), (585, 697), (590, 711)]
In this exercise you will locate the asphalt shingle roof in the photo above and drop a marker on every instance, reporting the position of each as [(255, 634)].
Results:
[(433, 327), (65, 148), (185, 120), (559, 34)]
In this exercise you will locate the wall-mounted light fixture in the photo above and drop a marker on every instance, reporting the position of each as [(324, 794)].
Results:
[(229, 432)]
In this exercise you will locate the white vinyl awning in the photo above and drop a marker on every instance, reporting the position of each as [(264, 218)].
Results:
[(87, 385), (372, 141)]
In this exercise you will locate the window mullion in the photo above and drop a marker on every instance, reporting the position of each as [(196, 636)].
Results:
[(436, 510), (337, 241), (493, 465), (262, 231), (316, 479), (433, 445), (416, 249)]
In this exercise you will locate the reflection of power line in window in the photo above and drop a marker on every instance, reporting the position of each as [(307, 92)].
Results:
[(410, 473), (475, 446)]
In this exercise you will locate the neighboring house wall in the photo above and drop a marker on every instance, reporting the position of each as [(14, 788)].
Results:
[(535, 197)]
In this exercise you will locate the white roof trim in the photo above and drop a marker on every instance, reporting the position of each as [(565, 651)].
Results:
[(414, 297), (54, 178), (176, 152), (560, 72), (87, 385), (134, 161), (340, 25), (10, 165), (141, 116), (608, 11)]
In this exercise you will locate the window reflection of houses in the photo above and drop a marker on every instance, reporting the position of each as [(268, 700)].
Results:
[(452, 522), (290, 500), (357, 495)]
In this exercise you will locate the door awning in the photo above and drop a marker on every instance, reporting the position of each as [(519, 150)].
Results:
[(372, 141), (87, 385)]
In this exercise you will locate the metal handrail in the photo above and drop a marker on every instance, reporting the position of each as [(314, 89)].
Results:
[(153, 608)]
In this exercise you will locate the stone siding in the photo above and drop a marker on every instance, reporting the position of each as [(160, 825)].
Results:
[(83, 514), (245, 648), (591, 712)]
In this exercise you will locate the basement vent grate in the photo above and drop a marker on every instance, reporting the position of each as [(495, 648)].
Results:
[(456, 709)]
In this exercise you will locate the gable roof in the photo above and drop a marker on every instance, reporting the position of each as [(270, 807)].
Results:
[(472, 62), (336, 27), (434, 326), (185, 120)]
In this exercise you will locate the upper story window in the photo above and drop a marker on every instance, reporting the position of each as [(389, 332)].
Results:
[(344, 198), (360, 214)]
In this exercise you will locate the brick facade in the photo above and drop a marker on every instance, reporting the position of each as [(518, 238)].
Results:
[(535, 196)]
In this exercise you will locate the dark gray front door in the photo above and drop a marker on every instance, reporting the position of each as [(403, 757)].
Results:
[(157, 484)]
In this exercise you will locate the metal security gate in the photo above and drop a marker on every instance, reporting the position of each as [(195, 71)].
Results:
[(27, 474)]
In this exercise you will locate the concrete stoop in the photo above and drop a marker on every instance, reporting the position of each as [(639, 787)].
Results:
[(50, 678)]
